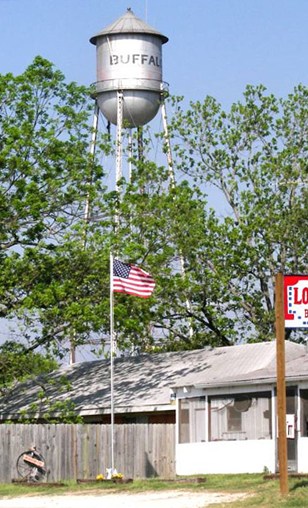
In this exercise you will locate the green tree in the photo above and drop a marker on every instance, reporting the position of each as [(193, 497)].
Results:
[(44, 163), (216, 264), (46, 178), (213, 241), (253, 159), (19, 367), (17, 364)]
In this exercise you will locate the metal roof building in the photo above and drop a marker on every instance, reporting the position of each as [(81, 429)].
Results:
[(143, 384)]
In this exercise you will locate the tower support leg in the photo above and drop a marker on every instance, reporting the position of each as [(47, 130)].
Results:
[(92, 153), (172, 185), (119, 138), (167, 144)]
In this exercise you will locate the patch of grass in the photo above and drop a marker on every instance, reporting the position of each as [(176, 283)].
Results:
[(261, 493), (234, 482)]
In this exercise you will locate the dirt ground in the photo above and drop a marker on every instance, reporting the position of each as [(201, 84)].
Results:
[(163, 499)]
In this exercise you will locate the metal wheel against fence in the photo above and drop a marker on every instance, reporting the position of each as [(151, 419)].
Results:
[(82, 451)]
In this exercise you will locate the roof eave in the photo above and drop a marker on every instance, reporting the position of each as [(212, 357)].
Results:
[(162, 37), (128, 409), (250, 382)]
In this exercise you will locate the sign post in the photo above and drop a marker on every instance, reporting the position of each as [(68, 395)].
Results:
[(281, 384), (291, 311)]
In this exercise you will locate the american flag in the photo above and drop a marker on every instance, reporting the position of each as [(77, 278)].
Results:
[(132, 280)]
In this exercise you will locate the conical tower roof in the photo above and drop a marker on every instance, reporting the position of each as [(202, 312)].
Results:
[(129, 24)]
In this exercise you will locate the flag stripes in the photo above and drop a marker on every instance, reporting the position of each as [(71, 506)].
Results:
[(132, 280)]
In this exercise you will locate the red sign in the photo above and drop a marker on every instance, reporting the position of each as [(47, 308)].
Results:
[(33, 460), (296, 301)]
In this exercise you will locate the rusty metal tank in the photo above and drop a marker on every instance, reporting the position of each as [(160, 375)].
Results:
[(129, 59)]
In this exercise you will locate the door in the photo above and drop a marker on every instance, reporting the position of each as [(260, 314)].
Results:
[(291, 428), (291, 415)]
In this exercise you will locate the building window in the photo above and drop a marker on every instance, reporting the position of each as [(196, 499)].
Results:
[(234, 419), (183, 421), (304, 412), (241, 416), (192, 420)]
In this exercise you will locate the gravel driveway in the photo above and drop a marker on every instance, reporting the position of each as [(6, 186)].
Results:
[(163, 499)]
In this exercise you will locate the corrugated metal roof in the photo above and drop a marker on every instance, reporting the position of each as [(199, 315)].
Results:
[(247, 363), (129, 24), (143, 383)]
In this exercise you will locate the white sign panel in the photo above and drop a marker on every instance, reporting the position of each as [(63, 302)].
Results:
[(296, 301)]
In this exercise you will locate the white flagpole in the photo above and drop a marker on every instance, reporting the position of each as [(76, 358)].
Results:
[(112, 351)]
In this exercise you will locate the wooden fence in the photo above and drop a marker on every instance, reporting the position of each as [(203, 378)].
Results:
[(82, 451)]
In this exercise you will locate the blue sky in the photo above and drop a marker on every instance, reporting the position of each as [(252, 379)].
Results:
[(215, 47)]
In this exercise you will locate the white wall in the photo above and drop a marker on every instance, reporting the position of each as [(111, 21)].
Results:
[(302, 454), (222, 457)]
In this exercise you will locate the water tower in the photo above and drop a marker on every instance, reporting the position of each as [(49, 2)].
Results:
[(129, 60), (129, 87)]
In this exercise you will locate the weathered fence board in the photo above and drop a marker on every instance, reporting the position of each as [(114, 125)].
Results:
[(83, 451)]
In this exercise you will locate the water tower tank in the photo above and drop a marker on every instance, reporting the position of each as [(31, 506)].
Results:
[(129, 59)]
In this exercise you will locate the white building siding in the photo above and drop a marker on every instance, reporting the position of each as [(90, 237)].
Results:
[(225, 457), (302, 455)]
